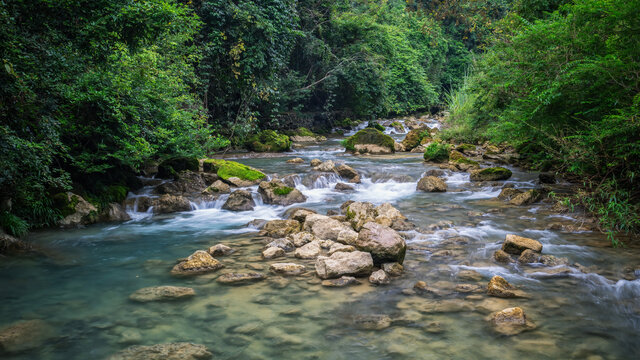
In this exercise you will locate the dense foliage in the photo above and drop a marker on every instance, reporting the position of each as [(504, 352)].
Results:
[(566, 91)]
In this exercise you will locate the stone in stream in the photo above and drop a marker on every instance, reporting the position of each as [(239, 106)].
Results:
[(162, 293), (379, 277), (384, 243), (356, 263), (431, 184), (169, 203), (340, 282), (240, 278), (302, 238), (337, 247), (372, 322), (529, 256), (511, 321), (326, 228), (526, 198), (24, 335), (308, 251), (239, 200), (490, 174), (295, 161), (343, 187), (360, 213), (387, 215), (170, 351), (315, 162), (218, 187), (393, 269), (280, 228), (199, 262), (299, 214), (502, 257), (347, 172), (508, 193), (277, 193), (273, 252), (289, 269), (499, 287), (326, 166), (220, 250), (515, 245), (113, 212), (284, 244)]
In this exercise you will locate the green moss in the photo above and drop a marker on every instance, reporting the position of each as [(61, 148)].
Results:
[(284, 190), (375, 125), (414, 138), (396, 124), (369, 136), (496, 171), (171, 167), (227, 169), (303, 131), (350, 215), (466, 161), (267, 141), (437, 152), (65, 205), (466, 147)]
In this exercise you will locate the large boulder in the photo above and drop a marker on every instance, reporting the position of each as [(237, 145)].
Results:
[(308, 251), (370, 141), (171, 351), (239, 200), (508, 193), (281, 228), (170, 203), (356, 263), (387, 215), (299, 214), (515, 245), (187, 182), (526, 198), (276, 192), (431, 184), (325, 166), (490, 174), (326, 228), (24, 335), (162, 293), (218, 187), (384, 243), (360, 213), (172, 167), (76, 210), (268, 141), (414, 137), (113, 212), (347, 172), (229, 171), (511, 321), (199, 262)]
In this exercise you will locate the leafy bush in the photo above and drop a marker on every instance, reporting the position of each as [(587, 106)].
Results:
[(368, 136), (436, 152), (268, 140), (13, 225)]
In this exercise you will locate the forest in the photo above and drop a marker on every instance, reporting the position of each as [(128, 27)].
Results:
[(91, 91)]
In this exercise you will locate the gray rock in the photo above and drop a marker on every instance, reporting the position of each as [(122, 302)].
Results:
[(288, 269), (284, 244), (278, 193), (308, 251), (240, 278), (239, 200), (340, 282), (162, 293), (356, 263), (273, 252), (220, 250), (281, 228), (431, 184), (384, 243), (379, 278), (372, 322)]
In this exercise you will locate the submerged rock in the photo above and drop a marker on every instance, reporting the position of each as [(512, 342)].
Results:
[(24, 335), (240, 278), (499, 287), (162, 293), (220, 250), (502, 257), (344, 187), (171, 351), (490, 174), (384, 243), (356, 263), (514, 244), (372, 322), (431, 184), (340, 282), (239, 200), (199, 262), (296, 161), (290, 269), (276, 192), (284, 244), (511, 321)]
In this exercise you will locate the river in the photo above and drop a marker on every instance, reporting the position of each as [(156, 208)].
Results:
[(81, 289)]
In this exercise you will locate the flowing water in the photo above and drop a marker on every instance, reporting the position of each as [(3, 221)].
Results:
[(81, 289)]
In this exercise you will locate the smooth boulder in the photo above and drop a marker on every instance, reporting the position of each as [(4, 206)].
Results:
[(499, 287), (384, 243), (239, 200), (431, 184), (356, 263)]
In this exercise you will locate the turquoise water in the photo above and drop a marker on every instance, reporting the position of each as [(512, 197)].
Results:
[(81, 288)]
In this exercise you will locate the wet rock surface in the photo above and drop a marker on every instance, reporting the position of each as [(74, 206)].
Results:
[(162, 293)]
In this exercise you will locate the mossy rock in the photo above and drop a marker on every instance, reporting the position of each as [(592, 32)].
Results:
[(464, 148), (65, 204), (369, 136), (268, 141), (284, 190), (396, 124), (415, 137), (491, 174), (464, 160), (437, 152), (375, 125), (226, 169), (170, 168), (455, 155), (303, 131)]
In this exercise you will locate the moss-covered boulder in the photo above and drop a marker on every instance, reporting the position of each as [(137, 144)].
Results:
[(490, 174), (74, 209), (227, 170), (375, 125), (303, 134), (170, 168), (437, 152), (461, 162), (276, 192), (415, 137), (466, 148), (370, 140), (268, 141)]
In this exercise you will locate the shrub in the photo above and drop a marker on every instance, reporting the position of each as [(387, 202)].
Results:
[(437, 152)]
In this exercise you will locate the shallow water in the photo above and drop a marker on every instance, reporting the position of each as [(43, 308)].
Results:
[(82, 288)]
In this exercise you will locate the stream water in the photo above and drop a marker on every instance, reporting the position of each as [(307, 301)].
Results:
[(81, 289)]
